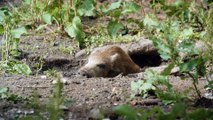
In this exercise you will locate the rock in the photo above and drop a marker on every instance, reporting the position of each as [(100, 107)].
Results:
[(160, 69)]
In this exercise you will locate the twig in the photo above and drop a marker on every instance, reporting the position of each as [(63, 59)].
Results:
[(194, 84)]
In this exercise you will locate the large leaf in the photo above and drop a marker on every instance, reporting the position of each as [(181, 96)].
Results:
[(128, 112), (2, 17), (114, 27), (168, 69), (22, 69), (130, 7), (150, 20), (188, 66), (87, 8), (75, 29), (47, 18), (147, 86), (3, 90), (163, 49), (135, 86), (70, 30), (16, 33), (114, 6)]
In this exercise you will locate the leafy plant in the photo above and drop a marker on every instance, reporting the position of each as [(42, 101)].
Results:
[(176, 44), (56, 100), (151, 82), (115, 10), (178, 111), (128, 112), (75, 29), (9, 44), (5, 94), (15, 67), (209, 48), (184, 11)]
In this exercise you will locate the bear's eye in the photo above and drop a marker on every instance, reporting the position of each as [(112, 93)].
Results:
[(102, 66)]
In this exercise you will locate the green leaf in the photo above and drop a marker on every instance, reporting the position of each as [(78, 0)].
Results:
[(1, 29), (40, 27), (168, 69), (47, 18), (187, 33), (178, 3), (76, 2), (128, 112), (150, 20), (169, 96), (2, 17), (135, 86), (138, 22), (28, 2), (188, 66), (163, 48), (15, 52), (147, 86), (130, 7), (87, 8), (22, 69), (178, 111), (114, 6), (3, 90), (200, 114), (16, 33), (75, 29), (70, 30), (114, 27)]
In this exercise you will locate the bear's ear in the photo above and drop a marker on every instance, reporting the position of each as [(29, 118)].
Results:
[(114, 57)]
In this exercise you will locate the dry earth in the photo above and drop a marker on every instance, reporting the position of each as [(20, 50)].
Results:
[(89, 95)]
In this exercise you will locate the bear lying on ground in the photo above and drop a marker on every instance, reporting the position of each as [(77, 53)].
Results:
[(108, 62)]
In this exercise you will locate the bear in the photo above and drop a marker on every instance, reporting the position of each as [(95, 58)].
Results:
[(108, 61)]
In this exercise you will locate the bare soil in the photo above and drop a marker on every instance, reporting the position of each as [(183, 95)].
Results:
[(87, 94)]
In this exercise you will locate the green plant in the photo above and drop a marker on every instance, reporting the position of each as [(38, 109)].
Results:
[(65, 14), (177, 44), (151, 82), (68, 50), (56, 99), (6, 95), (10, 41), (208, 41), (185, 11), (115, 11), (178, 111), (51, 73)]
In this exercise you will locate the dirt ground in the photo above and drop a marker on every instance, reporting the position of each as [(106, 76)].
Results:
[(87, 94)]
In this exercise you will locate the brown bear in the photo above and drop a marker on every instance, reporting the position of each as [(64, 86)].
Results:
[(108, 61)]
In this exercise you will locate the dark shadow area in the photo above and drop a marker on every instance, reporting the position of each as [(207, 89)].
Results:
[(147, 60), (204, 102)]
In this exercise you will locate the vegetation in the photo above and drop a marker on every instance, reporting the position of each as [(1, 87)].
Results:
[(175, 37), (172, 37)]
